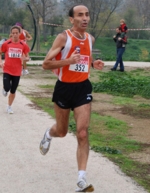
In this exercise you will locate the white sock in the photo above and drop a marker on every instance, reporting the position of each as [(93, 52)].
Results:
[(81, 173), (48, 135)]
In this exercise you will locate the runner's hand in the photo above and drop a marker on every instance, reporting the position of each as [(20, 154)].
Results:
[(23, 58), (26, 59), (74, 58), (1, 64), (98, 64)]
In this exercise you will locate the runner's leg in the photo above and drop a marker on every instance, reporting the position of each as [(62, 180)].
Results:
[(82, 118), (6, 82), (60, 129), (25, 70), (14, 85), (11, 98)]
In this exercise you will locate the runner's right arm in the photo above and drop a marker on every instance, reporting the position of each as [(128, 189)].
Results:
[(1, 62), (58, 45)]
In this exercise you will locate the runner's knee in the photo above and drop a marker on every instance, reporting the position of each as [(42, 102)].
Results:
[(62, 133), (82, 134), (7, 88)]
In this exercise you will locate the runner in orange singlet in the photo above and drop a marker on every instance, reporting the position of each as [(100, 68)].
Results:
[(15, 52), (24, 36), (70, 58)]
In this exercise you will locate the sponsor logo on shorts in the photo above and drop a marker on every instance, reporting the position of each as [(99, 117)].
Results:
[(61, 104), (89, 97)]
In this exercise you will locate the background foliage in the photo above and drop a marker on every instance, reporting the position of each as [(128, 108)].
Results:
[(105, 17)]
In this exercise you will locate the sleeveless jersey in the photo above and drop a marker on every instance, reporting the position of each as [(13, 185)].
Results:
[(22, 36), (75, 72)]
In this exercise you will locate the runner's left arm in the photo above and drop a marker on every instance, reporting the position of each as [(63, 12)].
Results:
[(97, 64), (28, 36), (25, 55)]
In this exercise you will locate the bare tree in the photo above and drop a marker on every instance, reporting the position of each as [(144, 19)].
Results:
[(44, 10), (143, 7), (6, 7)]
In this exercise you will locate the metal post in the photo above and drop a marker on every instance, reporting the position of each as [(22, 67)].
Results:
[(34, 22)]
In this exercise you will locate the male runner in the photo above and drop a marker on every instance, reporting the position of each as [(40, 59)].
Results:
[(70, 58)]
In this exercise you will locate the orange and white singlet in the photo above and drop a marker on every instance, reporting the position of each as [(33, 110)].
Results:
[(75, 72)]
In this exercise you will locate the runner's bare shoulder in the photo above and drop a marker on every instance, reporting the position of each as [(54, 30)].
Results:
[(60, 39)]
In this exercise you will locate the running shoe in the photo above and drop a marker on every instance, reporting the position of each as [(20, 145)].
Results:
[(9, 110), (25, 72), (4, 93), (83, 186), (45, 143)]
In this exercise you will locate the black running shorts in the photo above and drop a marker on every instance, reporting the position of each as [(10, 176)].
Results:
[(72, 95), (10, 82)]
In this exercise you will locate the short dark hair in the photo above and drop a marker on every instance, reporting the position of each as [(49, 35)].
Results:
[(71, 11), (15, 27), (118, 27)]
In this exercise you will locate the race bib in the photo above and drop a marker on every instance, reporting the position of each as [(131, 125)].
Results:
[(82, 66), (14, 53)]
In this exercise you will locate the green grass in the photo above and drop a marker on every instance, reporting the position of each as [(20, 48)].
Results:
[(47, 86), (45, 104), (124, 101), (123, 84), (136, 50)]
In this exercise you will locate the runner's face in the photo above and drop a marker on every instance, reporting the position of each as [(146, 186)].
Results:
[(15, 34), (81, 17)]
